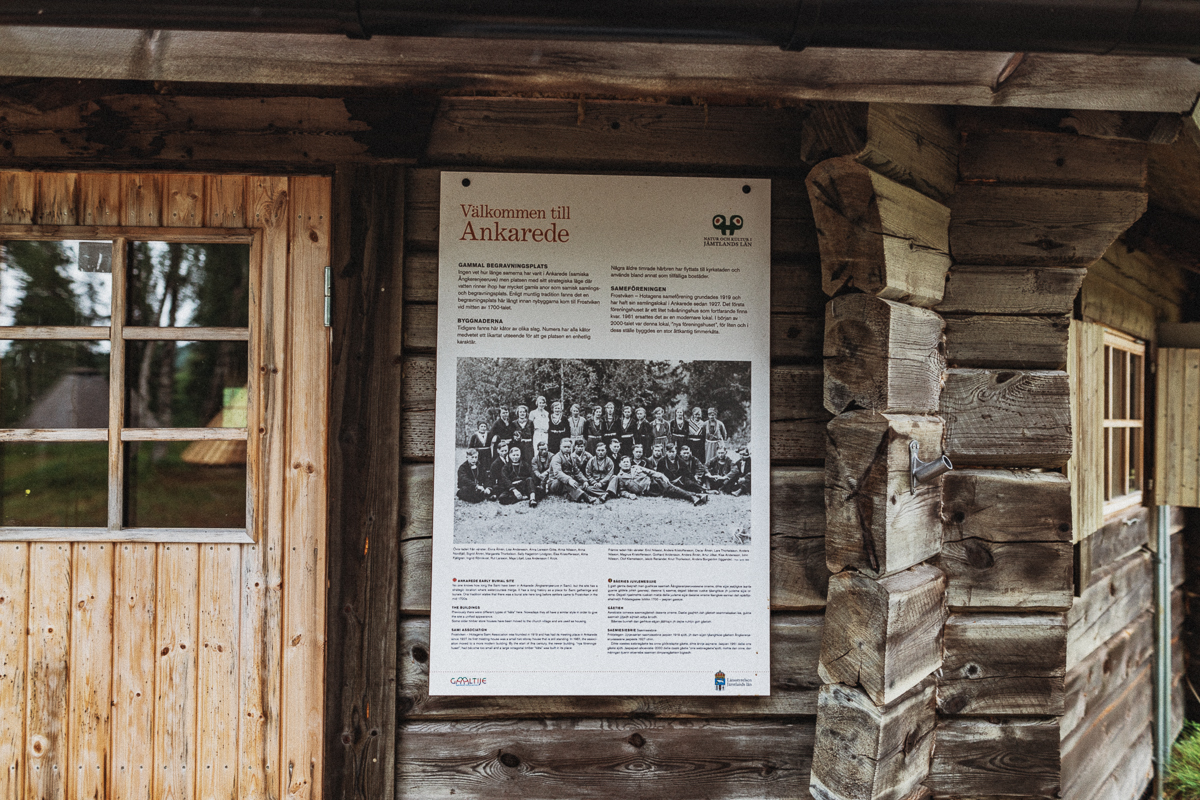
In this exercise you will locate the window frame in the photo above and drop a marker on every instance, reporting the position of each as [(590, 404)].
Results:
[(118, 334), (1115, 341)]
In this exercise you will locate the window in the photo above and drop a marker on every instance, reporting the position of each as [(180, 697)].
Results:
[(1124, 420), (124, 374)]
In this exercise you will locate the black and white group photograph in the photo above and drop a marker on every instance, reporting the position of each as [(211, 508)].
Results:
[(602, 451)]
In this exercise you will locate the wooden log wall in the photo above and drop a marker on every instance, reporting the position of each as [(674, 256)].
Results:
[(1030, 213), (555, 747), (884, 257), (183, 670)]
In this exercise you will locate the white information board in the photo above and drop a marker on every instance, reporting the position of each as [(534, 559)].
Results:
[(627, 314)]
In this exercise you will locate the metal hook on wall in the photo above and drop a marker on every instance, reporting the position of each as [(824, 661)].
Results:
[(921, 471)]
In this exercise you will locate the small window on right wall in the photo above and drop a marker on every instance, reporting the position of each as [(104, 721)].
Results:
[(1124, 420)]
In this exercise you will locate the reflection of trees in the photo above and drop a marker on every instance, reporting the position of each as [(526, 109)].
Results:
[(46, 297), (483, 384)]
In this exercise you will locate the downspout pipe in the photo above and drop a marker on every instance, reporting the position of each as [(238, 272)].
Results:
[(1141, 27), (1162, 648)]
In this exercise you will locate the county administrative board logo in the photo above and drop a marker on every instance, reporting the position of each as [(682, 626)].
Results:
[(720, 681), (727, 226)]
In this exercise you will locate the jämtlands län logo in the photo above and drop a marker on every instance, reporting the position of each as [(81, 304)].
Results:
[(727, 227)]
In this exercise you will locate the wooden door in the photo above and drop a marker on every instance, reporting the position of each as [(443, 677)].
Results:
[(138, 665)]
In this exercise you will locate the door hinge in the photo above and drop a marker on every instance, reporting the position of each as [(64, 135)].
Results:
[(328, 296)]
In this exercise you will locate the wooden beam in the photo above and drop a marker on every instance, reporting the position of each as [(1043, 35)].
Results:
[(605, 69), (875, 523), (883, 635), (882, 356), (1006, 539), (878, 236), (1003, 665), (364, 506), (1020, 342), (980, 758), (1010, 290), (1007, 418), (1046, 159), (868, 752)]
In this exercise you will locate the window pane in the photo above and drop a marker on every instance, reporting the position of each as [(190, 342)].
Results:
[(1108, 461), (54, 484), (185, 484), (171, 384), (53, 384), (1136, 377), (1120, 392), (1118, 471), (1135, 459), (1108, 382), (47, 283), (174, 284)]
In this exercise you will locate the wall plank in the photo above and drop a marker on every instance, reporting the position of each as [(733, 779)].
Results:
[(17, 192), (225, 201), (14, 649), (183, 201), (135, 659), (175, 682), (1007, 417), (55, 203), (605, 758), (218, 711), (91, 669), (305, 491), (99, 198), (141, 199), (48, 676)]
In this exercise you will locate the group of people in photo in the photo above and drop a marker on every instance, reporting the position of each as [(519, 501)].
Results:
[(601, 457)]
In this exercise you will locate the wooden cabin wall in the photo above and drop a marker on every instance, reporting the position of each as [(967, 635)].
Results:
[(555, 747), (144, 670)]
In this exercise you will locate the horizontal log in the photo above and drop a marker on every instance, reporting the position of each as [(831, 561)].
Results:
[(1015, 342), (1118, 537), (798, 417), (977, 758), (605, 758), (1118, 595), (878, 236), (882, 356), (1050, 226), (1088, 753), (1092, 683), (883, 635), (1003, 665), (1006, 540), (914, 145), (1007, 417), (1129, 126), (1010, 290), (794, 337), (799, 578), (865, 751), (875, 523), (795, 646), (793, 232), (548, 133), (1132, 773), (1046, 159)]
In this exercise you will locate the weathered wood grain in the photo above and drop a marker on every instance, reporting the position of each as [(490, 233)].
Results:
[(1118, 537), (99, 198), (135, 659), (183, 200), (91, 669), (259, 770), (1019, 342), (225, 201), (608, 135), (365, 506), (603, 758), (1050, 226), (1128, 267), (1010, 290), (1092, 682), (141, 199), (883, 635), (1088, 752), (1106, 303), (882, 356), (1086, 467), (1118, 594), (1177, 469), (174, 740), (48, 675), (1133, 773), (865, 752), (979, 758), (1017, 418), (914, 145), (1042, 158), (795, 646), (302, 665), (799, 577), (1006, 540), (14, 649), (634, 69), (218, 710), (876, 235), (875, 523), (17, 191), (1003, 665)]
